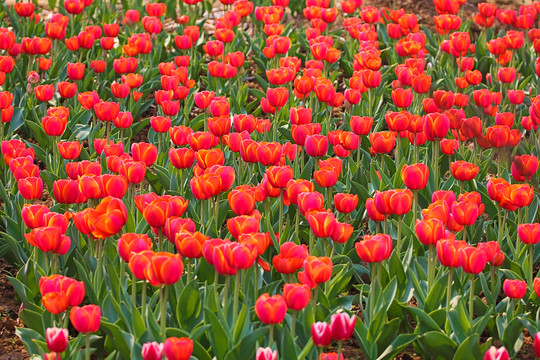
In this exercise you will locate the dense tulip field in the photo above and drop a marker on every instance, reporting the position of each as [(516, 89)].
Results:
[(268, 179)]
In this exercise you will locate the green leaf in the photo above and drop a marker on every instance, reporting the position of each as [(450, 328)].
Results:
[(438, 345), (218, 334), (469, 349)]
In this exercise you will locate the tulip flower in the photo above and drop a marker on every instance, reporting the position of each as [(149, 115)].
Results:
[(321, 333), (529, 234), (271, 310), (57, 339), (266, 354), (152, 351), (342, 326), (497, 354), (178, 348), (473, 261)]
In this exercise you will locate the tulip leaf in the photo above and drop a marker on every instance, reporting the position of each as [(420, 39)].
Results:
[(246, 348), (397, 346), (459, 321), (218, 334), (30, 338), (469, 349), (188, 306), (124, 342), (512, 336), (438, 345)]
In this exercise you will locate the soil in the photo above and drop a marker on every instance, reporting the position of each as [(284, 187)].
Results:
[(11, 347)]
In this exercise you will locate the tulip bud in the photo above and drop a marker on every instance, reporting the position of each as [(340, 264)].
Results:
[(342, 326), (321, 333), (152, 351), (497, 354), (266, 354), (57, 339)]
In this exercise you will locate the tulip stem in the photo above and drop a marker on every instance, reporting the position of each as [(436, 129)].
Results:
[(280, 213), (293, 324), (399, 235), (340, 344), (471, 299), (236, 293), (271, 336), (436, 147), (143, 301), (226, 295), (297, 226), (311, 241), (216, 213), (431, 265), (202, 215), (87, 348), (133, 291), (449, 289), (531, 264), (163, 296)]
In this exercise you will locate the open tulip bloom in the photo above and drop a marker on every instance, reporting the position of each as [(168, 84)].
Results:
[(273, 179)]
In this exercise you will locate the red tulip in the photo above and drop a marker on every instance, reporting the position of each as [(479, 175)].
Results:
[(342, 326), (297, 296), (178, 348), (514, 289), (85, 319), (374, 248), (415, 176), (271, 309), (473, 260)]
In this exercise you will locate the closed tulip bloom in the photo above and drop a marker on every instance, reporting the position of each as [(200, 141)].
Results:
[(106, 110), (361, 126), (374, 248), (54, 125), (524, 167), (144, 152), (382, 142), (55, 302), (436, 126), (164, 269), (44, 92), (399, 201), (266, 354), (152, 351), (243, 224), (57, 339), (372, 211), (429, 231), (326, 176), (157, 212), (85, 319), (498, 135), (465, 213), (279, 176), (139, 262), (69, 150), (318, 269), (133, 243), (473, 260), (529, 233), (342, 326), (415, 176), (316, 145), (242, 200), (448, 253), (321, 333), (294, 188), (290, 258), (271, 309), (402, 98), (160, 124), (190, 244), (463, 171), (443, 99), (497, 354), (297, 296), (30, 188), (182, 158), (322, 223), (178, 348), (514, 289), (345, 203)]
